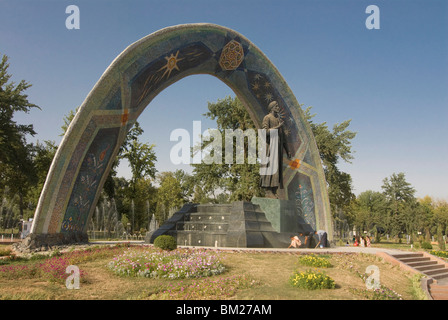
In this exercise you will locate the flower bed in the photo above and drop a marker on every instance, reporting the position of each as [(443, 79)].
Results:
[(312, 260), (442, 254), (53, 268), (311, 280), (176, 264)]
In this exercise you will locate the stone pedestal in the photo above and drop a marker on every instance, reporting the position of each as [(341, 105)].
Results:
[(249, 228), (42, 242), (283, 215), (240, 224)]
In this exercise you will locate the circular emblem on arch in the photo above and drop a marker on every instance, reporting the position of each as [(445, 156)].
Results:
[(232, 55)]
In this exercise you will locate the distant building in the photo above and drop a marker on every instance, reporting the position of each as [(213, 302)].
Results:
[(26, 228)]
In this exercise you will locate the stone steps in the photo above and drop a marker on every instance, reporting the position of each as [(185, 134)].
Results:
[(432, 267), (425, 264), (438, 292)]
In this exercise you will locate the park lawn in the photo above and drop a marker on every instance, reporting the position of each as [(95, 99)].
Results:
[(270, 271)]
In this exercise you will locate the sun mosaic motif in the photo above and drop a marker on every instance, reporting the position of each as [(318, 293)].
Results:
[(171, 64)]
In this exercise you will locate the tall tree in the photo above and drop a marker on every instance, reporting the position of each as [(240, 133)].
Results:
[(441, 222), (12, 100), (369, 213), (334, 145), (16, 165), (142, 159), (169, 195), (400, 197), (426, 216), (241, 181), (67, 120), (43, 154)]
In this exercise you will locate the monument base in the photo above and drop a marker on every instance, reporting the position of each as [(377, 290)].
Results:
[(283, 215), (48, 241), (262, 223)]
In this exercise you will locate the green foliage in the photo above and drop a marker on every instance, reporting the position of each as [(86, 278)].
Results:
[(369, 208), (5, 252), (313, 260), (240, 181), (17, 171), (334, 145), (142, 158), (402, 206), (426, 245), (165, 242), (439, 253), (67, 120), (394, 211), (169, 195)]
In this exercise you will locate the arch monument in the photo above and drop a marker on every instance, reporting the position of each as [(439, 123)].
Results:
[(128, 86)]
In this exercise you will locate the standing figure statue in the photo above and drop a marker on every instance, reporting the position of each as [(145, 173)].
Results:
[(276, 143)]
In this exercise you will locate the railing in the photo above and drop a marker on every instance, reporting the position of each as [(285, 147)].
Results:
[(10, 237), (105, 235)]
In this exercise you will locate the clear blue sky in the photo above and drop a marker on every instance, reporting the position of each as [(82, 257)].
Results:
[(392, 82)]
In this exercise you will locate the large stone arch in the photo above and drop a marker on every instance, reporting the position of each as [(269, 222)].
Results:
[(134, 78)]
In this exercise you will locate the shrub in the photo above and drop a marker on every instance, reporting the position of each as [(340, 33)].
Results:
[(315, 261), (311, 280), (442, 254), (5, 252), (426, 245), (165, 242)]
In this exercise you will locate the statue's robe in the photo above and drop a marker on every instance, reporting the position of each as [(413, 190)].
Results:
[(275, 144)]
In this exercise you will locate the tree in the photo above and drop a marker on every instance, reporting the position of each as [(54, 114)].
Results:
[(187, 184), (441, 222), (19, 175), (12, 100), (370, 209), (169, 196), (142, 159), (426, 216), (67, 120), (43, 154), (334, 146), (145, 202), (400, 196), (241, 181), (16, 165)]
